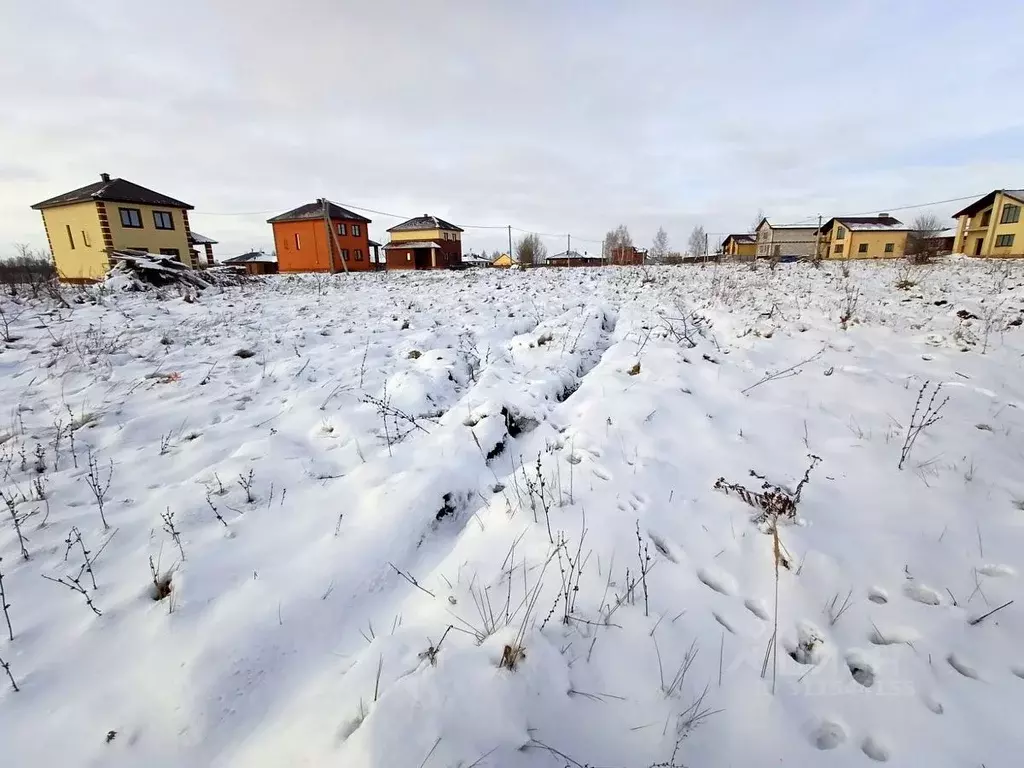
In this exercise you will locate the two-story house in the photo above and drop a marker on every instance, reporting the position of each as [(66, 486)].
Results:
[(85, 225), (321, 237), (425, 242), (863, 237), (778, 241), (992, 225)]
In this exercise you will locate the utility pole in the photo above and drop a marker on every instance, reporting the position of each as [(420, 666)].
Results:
[(510, 242), (705, 247), (817, 240), (568, 244), (334, 238), (327, 230)]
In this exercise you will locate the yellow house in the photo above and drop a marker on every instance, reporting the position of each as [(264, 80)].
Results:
[(992, 225), (504, 261), (83, 226), (425, 242), (740, 246), (863, 237)]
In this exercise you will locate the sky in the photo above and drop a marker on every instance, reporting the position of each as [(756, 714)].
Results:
[(567, 117)]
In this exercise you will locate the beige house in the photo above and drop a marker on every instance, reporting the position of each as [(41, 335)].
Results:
[(776, 241), (84, 225), (992, 226), (863, 237)]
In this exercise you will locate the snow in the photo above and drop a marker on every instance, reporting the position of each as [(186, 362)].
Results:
[(461, 596)]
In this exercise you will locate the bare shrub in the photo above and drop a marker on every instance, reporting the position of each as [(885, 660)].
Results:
[(530, 250), (921, 420)]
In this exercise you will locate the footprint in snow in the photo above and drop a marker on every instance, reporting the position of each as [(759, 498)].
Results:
[(922, 594), (878, 595), (875, 749), (961, 666), (893, 636), (828, 734), (861, 670), (724, 622), (598, 472), (757, 608), (1018, 671), (932, 703), (994, 569), (718, 580)]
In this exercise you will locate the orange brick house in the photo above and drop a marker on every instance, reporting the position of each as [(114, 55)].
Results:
[(305, 244), (425, 242)]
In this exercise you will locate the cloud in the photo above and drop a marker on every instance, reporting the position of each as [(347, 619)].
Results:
[(565, 117)]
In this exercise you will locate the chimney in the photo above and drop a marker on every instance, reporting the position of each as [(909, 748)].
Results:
[(105, 176), (883, 215)]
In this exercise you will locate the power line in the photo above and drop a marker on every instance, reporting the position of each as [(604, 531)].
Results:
[(891, 208)]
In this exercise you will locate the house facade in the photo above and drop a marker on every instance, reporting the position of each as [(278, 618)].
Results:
[(572, 259), (992, 226), (741, 246), (863, 237), (254, 263), (308, 241), (84, 226), (425, 242), (776, 241)]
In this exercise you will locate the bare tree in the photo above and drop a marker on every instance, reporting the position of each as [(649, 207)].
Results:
[(697, 244), (617, 243), (30, 270), (921, 242), (530, 250), (659, 248), (757, 221)]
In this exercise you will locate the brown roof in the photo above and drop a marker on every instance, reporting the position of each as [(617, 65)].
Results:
[(743, 238), (114, 191), (316, 211), (426, 221), (984, 202)]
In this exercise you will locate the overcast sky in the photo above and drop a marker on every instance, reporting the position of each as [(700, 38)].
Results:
[(570, 116)]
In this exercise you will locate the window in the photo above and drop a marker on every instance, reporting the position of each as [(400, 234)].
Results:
[(341, 229), (140, 249), (355, 230), (85, 239), (131, 218), (1004, 241), (71, 239), (986, 217), (408, 257), (163, 220), (862, 248), (840, 233), (839, 248), (298, 242), (1011, 214), (359, 253), (172, 252), (890, 247), (344, 254)]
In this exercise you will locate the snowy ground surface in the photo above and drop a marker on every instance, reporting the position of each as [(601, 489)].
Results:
[(547, 503)]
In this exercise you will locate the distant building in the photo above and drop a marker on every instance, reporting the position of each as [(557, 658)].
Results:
[(84, 226), (504, 262), (254, 263), (627, 256), (572, 259), (741, 246), (992, 226), (194, 238), (472, 260), (863, 237), (777, 241), (306, 242), (425, 242)]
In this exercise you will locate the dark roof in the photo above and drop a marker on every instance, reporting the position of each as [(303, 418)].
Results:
[(252, 256), (315, 210), (987, 200), (372, 242), (865, 223), (196, 239), (115, 191), (743, 238), (426, 221)]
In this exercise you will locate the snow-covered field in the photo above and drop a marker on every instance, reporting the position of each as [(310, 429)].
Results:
[(471, 519)]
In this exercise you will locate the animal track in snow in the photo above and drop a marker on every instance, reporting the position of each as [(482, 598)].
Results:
[(932, 703), (893, 636), (757, 608), (962, 666), (860, 668), (724, 622), (598, 472), (718, 580), (662, 547), (878, 595), (1018, 671), (810, 645), (828, 734), (874, 749), (922, 594), (995, 569)]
